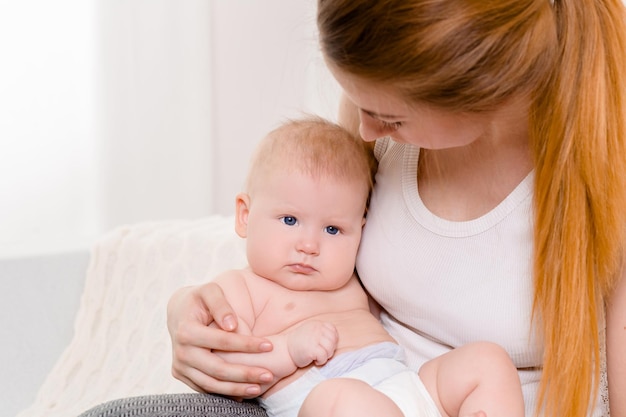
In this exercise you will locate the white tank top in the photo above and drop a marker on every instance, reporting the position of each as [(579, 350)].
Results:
[(446, 283)]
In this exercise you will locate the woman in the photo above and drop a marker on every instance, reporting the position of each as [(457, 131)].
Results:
[(498, 212)]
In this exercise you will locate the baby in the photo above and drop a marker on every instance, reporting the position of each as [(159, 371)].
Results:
[(302, 214)]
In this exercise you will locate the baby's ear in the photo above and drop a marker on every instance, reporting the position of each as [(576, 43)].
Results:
[(242, 209)]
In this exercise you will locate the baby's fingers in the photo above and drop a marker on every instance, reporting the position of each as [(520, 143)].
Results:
[(329, 338)]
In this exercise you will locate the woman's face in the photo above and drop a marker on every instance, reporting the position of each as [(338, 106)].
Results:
[(384, 113)]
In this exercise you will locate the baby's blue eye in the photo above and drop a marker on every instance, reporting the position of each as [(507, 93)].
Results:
[(289, 220), (332, 230)]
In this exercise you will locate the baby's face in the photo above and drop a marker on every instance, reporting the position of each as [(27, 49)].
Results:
[(304, 233)]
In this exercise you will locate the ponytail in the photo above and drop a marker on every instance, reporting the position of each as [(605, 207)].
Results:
[(579, 144)]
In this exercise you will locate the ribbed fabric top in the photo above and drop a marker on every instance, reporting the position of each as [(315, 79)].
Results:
[(446, 283)]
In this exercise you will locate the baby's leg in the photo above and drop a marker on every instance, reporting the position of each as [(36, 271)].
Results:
[(472, 378), (346, 397)]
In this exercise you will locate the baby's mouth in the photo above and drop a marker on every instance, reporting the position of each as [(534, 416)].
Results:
[(302, 268)]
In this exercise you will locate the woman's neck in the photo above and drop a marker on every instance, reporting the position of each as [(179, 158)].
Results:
[(464, 183)]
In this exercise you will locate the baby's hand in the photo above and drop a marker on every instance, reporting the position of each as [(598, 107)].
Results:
[(313, 341)]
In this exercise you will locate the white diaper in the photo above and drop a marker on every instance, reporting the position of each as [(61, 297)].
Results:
[(378, 365)]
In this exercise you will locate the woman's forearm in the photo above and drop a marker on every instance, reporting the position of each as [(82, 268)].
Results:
[(616, 348)]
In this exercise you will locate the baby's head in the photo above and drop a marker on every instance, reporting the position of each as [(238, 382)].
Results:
[(312, 146), (304, 205)]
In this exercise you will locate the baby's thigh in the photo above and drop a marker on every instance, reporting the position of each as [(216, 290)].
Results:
[(347, 397)]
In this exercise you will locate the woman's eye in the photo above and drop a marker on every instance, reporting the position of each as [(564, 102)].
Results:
[(289, 220), (384, 124), (391, 125), (332, 230)]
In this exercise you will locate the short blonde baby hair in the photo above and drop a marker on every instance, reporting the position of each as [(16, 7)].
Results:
[(313, 146)]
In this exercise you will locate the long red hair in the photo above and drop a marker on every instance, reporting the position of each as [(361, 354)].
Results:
[(568, 56)]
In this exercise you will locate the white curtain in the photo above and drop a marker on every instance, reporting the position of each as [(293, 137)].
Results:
[(118, 111), (46, 120), (153, 110)]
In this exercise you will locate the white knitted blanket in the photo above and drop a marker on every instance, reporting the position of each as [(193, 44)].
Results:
[(121, 346)]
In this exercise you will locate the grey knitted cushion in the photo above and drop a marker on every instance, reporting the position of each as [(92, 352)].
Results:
[(176, 405)]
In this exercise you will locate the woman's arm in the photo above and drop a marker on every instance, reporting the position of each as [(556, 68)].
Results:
[(190, 311), (616, 348)]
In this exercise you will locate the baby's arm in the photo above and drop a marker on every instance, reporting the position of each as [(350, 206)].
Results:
[(309, 342)]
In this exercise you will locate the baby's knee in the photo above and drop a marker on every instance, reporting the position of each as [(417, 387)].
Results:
[(488, 353)]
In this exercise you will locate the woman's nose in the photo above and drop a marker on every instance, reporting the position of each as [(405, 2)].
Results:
[(367, 133)]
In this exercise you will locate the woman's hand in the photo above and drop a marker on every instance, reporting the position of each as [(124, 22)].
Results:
[(190, 311)]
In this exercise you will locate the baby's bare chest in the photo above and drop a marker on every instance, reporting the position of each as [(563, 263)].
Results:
[(280, 314)]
